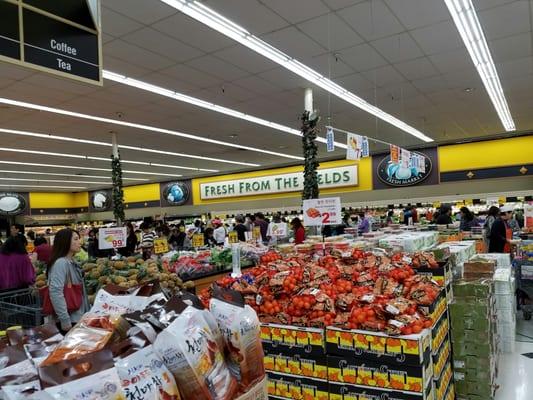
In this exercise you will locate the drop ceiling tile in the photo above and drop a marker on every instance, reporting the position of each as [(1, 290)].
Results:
[(331, 32), (194, 33), (372, 20), (418, 13), (294, 43), (162, 44), (52, 82), (507, 20), (245, 59), (431, 85), (192, 75), (484, 4), (338, 4), (107, 38), (145, 12), (354, 82), (116, 24), (362, 57), (165, 81), (15, 72), (515, 68), (229, 93), (288, 11), (417, 69), (397, 48), (217, 67), (123, 67), (511, 47), (438, 38), (250, 14), (454, 60), (328, 66), (136, 55), (257, 85), (384, 76)]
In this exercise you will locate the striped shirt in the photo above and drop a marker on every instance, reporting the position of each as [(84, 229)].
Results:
[(147, 239)]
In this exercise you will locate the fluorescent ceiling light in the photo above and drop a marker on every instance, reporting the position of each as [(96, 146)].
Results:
[(76, 167), (214, 20), (148, 128), (46, 186), (2, 178), (72, 175), (113, 76), (71, 139), (465, 17)]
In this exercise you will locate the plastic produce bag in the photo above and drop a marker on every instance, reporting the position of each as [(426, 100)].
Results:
[(145, 377), (23, 391), (189, 350), (241, 331)]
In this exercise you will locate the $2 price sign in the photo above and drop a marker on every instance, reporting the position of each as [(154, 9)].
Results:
[(326, 211)]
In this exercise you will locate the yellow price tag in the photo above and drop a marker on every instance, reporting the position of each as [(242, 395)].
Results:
[(256, 233), (436, 204), (30, 247), (233, 237), (469, 202), (160, 246), (502, 200), (198, 240)]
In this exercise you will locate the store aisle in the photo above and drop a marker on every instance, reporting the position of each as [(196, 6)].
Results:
[(516, 370)]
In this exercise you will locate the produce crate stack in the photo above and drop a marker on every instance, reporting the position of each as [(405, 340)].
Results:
[(474, 339), (441, 358)]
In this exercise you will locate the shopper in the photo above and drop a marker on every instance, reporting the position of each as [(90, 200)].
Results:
[(389, 219), (209, 237), (131, 241), (414, 214), (468, 220), (347, 221), (445, 215), (147, 240), (492, 214), (42, 249), (299, 231), (198, 226), (364, 224), (240, 228), (519, 216), (17, 231), (249, 222), (407, 215), (277, 230), (92, 243), (62, 270), (219, 232), (513, 224), (16, 269), (262, 224), (500, 233)]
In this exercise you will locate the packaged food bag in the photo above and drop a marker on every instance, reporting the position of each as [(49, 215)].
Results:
[(17, 374), (47, 334), (23, 391), (88, 377), (240, 328), (121, 302), (189, 350), (145, 377)]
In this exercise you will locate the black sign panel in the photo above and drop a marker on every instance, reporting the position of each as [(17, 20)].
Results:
[(13, 203), (73, 10), (176, 193), (100, 200), (9, 30), (63, 47)]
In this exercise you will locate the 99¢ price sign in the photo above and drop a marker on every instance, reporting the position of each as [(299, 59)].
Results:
[(112, 238), (318, 212)]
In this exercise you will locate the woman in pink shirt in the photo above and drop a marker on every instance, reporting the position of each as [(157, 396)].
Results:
[(16, 269)]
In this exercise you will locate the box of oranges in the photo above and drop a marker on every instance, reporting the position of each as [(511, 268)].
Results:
[(281, 386), (352, 392), (296, 364), (292, 340)]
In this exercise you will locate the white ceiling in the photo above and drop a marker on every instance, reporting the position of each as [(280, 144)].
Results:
[(405, 56)]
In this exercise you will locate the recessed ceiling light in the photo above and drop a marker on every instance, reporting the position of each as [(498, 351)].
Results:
[(223, 25), (112, 76), (465, 18), (146, 128), (468, 90)]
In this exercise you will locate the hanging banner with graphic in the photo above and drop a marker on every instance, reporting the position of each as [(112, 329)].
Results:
[(353, 149), (330, 140), (365, 147), (394, 154), (405, 158), (318, 212)]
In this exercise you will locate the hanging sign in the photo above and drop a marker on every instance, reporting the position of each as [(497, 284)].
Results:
[(394, 154), (256, 233), (354, 146), (405, 158), (318, 212), (278, 229), (160, 246), (60, 36), (365, 147), (233, 237), (397, 173), (330, 140), (112, 238), (198, 240), (528, 215)]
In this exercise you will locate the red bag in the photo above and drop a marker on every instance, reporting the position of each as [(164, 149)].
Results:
[(73, 297)]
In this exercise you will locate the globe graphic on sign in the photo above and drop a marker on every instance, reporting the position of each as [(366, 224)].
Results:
[(175, 194)]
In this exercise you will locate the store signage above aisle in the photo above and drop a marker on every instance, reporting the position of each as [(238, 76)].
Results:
[(13, 203), (177, 193), (100, 200), (279, 183), (60, 36), (112, 238), (406, 168), (318, 212)]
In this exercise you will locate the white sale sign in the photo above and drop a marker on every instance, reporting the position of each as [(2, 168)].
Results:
[(318, 212), (112, 238)]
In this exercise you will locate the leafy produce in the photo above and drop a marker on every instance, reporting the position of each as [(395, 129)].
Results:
[(366, 290)]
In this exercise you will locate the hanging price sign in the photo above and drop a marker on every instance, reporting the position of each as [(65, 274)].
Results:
[(318, 212), (160, 246), (233, 237), (198, 240), (111, 238), (256, 233)]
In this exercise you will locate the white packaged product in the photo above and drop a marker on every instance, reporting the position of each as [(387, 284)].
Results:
[(104, 385)]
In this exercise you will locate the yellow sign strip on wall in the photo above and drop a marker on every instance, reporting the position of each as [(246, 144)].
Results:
[(487, 154), (364, 181), (139, 193), (58, 200)]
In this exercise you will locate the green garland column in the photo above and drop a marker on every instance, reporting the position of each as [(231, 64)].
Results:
[(116, 176), (310, 120)]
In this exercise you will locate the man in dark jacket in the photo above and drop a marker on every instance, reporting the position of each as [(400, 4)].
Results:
[(500, 233), (445, 217)]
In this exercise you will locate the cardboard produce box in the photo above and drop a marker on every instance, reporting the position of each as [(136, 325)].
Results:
[(361, 372), (338, 391), (480, 289), (480, 266), (296, 388), (439, 332), (441, 385), (437, 308), (462, 349), (441, 358), (299, 365), (442, 275), (292, 340), (377, 346)]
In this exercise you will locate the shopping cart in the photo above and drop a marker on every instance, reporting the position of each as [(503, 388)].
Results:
[(21, 307)]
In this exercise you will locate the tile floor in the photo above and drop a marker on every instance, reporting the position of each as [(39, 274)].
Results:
[(515, 370)]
